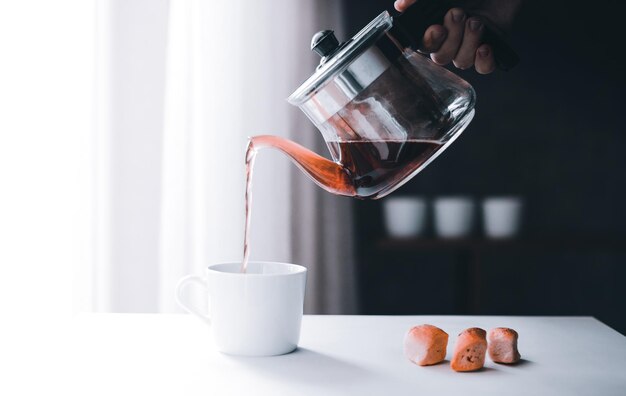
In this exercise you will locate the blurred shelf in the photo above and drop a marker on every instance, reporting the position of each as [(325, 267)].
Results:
[(470, 253), (483, 244)]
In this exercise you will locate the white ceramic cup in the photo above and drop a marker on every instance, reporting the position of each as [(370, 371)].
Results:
[(405, 216), (454, 216), (502, 216), (253, 314)]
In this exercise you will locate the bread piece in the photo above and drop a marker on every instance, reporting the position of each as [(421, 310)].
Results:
[(503, 345), (425, 345), (469, 351)]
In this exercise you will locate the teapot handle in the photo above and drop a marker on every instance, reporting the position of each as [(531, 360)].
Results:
[(424, 13)]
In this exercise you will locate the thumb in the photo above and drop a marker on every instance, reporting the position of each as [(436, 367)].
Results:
[(402, 5)]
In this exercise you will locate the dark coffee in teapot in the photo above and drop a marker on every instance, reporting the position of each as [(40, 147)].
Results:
[(375, 166)]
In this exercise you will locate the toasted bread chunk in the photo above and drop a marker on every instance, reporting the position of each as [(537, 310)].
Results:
[(425, 345), (503, 345), (469, 351)]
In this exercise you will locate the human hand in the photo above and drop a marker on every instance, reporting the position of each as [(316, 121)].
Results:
[(459, 39)]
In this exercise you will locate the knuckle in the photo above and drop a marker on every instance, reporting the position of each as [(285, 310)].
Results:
[(445, 55), (488, 69), (473, 27), (463, 65), (440, 59), (455, 16)]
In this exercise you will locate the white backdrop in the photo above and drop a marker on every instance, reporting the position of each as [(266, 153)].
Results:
[(46, 174), (65, 222), (227, 78), (180, 86)]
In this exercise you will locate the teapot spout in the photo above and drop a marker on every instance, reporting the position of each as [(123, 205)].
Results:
[(327, 174)]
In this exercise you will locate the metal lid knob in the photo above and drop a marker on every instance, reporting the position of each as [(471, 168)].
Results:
[(324, 43)]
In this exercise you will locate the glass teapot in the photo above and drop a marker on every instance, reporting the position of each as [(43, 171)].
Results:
[(384, 110)]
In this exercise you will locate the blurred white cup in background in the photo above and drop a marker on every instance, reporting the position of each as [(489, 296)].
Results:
[(502, 216), (405, 216), (454, 216)]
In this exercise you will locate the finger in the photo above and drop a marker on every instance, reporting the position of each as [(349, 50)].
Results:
[(433, 39), (464, 59), (485, 62), (402, 5), (454, 22)]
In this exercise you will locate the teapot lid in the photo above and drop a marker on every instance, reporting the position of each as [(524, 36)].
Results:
[(336, 58)]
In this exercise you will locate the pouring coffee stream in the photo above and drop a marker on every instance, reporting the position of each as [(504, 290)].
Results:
[(384, 110)]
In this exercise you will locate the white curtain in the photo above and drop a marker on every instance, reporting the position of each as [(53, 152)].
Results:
[(130, 71), (181, 85)]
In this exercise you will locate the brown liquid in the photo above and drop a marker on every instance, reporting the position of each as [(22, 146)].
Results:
[(368, 169), (377, 167), (250, 157)]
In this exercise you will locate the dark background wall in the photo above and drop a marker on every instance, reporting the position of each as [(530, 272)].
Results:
[(551, 131)]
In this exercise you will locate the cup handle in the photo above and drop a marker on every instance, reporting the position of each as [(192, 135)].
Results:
[(182, 284)]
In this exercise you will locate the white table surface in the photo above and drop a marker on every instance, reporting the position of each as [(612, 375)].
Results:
[(151, 354)]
